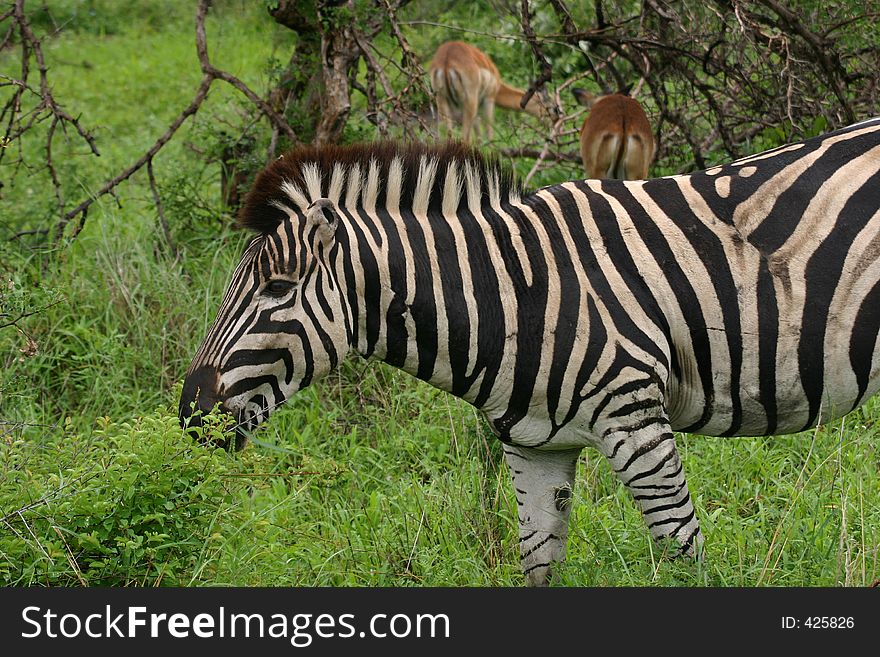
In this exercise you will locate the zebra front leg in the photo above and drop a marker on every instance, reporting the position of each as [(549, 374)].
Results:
[(542, 481), (645, 458)]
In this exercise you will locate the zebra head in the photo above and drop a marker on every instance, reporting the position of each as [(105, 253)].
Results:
[(282, 323)]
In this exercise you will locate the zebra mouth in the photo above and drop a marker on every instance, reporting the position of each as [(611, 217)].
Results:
[(191, 422), (247, 420), (237, 441), (242, 430)]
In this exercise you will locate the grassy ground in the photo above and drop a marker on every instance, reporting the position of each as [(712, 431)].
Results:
[(367, 478)]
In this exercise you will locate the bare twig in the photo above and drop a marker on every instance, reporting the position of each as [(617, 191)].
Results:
[(71, 560), (17, 118), (33, 43), (162, 220), (546, 69), (822, 49), (14, 322), (18, 121), (535, 154), (80, 210)]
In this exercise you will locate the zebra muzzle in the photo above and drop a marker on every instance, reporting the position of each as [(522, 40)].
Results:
[(201, 397)]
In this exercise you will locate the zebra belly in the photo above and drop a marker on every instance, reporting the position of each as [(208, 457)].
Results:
[(537, 430), (585, 413)]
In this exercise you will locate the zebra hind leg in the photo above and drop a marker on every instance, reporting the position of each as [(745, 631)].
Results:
[(543, 482), (647, 461)]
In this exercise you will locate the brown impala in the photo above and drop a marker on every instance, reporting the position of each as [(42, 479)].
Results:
[(466, 83), (616, 138)]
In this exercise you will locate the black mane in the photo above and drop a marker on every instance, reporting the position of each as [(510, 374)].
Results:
[(261, 211)]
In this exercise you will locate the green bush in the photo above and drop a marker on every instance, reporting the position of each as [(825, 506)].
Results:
[(134, 503)]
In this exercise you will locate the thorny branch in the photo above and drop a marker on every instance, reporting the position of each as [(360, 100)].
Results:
[(210, 73), (823, 50), (82, 209), (341, 47), (13, 116), (14, 322), (416, 79), (18, 119), (546, 69), (166, 229)]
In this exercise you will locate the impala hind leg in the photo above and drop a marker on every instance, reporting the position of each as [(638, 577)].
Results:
[(542, 481), (488, 113), (444, 116), (468, 117), (647, 461)]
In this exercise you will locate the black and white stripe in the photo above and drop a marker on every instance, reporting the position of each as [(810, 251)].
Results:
[(742, 300)]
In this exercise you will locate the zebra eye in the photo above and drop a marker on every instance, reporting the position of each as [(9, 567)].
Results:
[(278, 288)]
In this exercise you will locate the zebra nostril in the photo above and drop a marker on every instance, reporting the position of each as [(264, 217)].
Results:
[(199, 396), (200, 390)]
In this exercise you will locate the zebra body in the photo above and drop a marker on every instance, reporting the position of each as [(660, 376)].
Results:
[(741, 300)]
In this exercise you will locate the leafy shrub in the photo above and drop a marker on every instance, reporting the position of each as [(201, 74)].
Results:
[(134, 503)]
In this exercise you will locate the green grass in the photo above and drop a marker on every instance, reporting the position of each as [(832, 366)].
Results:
[(369, 477)]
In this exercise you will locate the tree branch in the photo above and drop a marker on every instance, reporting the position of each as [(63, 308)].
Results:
[(546, 69), (81, 209), (210, 73), (157, 200)]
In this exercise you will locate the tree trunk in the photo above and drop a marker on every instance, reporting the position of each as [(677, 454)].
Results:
[(314, 91)]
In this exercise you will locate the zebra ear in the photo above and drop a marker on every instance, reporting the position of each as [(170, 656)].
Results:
[(322, 214)]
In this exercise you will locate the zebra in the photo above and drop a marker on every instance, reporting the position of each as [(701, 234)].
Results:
[(743, 300)]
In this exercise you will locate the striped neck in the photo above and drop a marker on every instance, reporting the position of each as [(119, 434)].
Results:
[(447, 329)]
